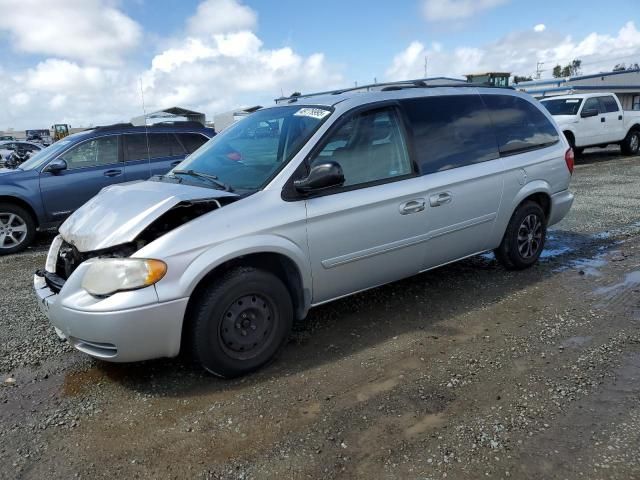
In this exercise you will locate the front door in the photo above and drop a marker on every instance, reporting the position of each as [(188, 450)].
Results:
[(371, 230), (591, 129), (91, 166)]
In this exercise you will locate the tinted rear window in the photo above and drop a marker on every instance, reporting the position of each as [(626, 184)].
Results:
[(450, 131), (519, 125), (159, 145), (609, 104), (192, 141)]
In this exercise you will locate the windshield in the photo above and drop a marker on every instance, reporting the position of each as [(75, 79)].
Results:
[(248, 153), (41, 157), (563, 106)]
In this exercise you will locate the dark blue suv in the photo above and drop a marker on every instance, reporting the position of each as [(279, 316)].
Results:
[(48, 187)]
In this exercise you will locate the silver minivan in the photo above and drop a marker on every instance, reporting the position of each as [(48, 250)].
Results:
[(299, 204)]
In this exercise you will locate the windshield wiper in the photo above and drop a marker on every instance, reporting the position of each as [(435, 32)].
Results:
[(212, 178)]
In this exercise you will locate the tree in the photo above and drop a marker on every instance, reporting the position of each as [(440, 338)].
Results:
[(620, 67), (574, 68), (570, 70), (518, 79)]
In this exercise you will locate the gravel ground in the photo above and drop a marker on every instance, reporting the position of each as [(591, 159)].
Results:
[(467, 371)]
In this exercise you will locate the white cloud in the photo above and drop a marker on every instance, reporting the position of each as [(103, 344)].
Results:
[(87, 30), (541, 27), (221, 16), (436, 10), (518, 52), (211, 71)]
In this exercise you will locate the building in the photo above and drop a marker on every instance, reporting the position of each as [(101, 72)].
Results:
[(625, 84), (225, 119), (169, 115)]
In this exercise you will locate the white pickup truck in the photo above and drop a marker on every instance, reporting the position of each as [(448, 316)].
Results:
[(595, 120)]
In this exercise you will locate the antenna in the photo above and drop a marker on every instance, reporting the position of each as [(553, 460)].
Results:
[(146, 130), (426, 64)]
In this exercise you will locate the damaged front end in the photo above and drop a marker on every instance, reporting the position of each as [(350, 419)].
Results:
[(110, 226)]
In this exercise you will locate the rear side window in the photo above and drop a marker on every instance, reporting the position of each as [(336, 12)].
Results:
[(192, 141), (450, 132), (159, 145), (519, 125), (609, 104)]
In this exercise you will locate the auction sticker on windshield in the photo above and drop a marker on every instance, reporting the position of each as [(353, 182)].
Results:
[(318, 113)]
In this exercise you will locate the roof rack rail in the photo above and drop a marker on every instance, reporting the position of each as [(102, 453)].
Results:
[(178, 123), (114, 126), (389, 86)]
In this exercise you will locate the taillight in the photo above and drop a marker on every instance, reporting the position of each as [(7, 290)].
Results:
[(570, 158)]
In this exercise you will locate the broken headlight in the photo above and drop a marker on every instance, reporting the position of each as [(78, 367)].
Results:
[(106, 276)]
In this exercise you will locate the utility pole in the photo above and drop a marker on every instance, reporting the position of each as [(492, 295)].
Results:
[(539, 69)]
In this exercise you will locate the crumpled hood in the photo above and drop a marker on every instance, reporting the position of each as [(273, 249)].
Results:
[(119, 213)]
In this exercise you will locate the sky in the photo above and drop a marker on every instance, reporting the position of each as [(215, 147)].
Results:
[(93, 62)]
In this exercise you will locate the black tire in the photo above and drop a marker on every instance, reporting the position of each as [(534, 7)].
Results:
[(17, 228), (631, 144), (510, 252), (240, 322)]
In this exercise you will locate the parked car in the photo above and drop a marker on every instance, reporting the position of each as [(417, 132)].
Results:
[(595, 120), (6, 137), (357, 190), (42, 192), (23, 150)]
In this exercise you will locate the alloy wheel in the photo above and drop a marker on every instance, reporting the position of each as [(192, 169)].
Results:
[(13, 230), (530, 236)]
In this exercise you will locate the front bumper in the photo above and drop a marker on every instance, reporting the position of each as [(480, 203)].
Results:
[(560, 205), (126, 327)]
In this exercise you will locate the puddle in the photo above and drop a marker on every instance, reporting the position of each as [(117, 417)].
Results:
[(79, 382), (576, 342), (589, 266), (631, 280)]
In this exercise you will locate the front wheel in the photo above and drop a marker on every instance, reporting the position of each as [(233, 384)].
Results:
[(524, 238), (17, 228), (241, 322), (631, 144)]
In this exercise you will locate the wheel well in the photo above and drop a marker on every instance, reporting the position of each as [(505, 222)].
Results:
[(570, 137), (280, 265), (541, 199), (635, 128), (23, 204)]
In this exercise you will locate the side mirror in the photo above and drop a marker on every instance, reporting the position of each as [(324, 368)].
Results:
[(56, 166), (590, 112), (322, 175)]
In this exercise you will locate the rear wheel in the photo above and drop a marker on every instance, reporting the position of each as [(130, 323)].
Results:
[(17, 228), (241, 322), (524, 238), (631, 144)]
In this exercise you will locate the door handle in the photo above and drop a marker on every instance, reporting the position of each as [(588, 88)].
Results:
[(619, 117), (602, 119), (440, 199), (412, 206), (112, 173)]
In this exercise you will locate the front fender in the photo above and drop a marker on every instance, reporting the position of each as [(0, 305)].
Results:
[(221, 253)]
